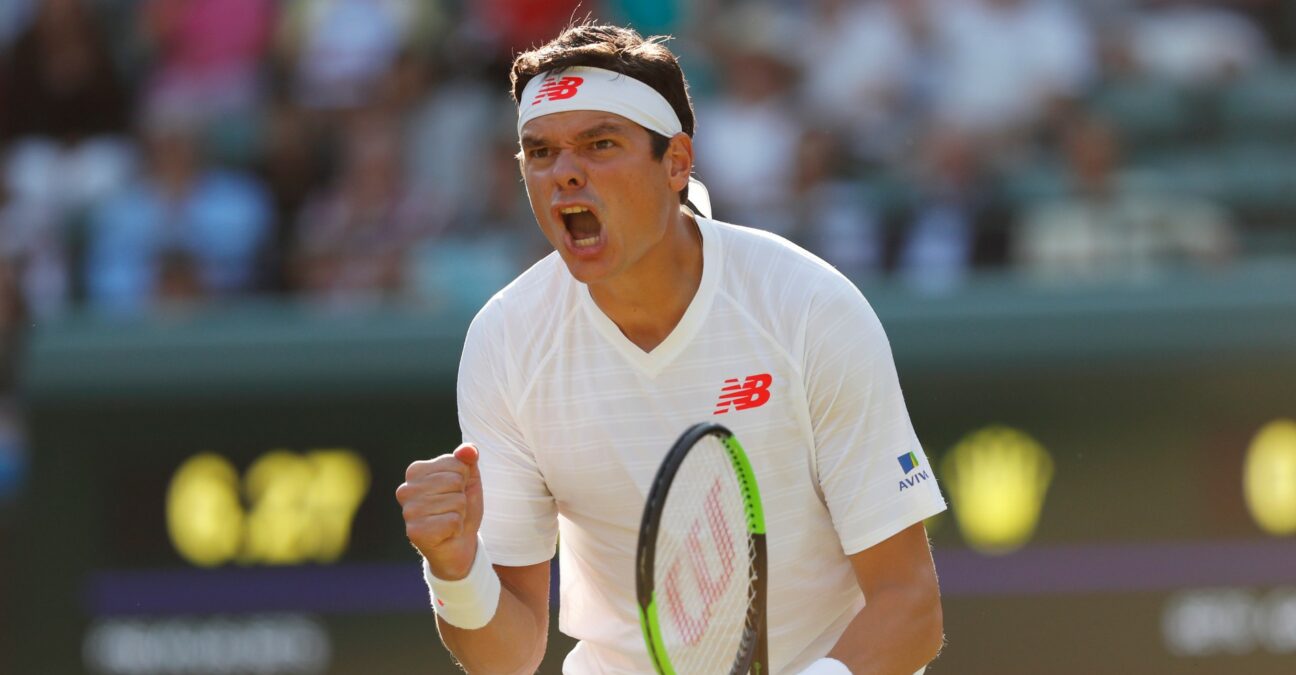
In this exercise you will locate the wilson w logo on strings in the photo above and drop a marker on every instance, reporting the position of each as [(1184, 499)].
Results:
[(710, 566), (752, 392)]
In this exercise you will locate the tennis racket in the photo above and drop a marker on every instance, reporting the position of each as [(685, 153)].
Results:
[(700, 568)]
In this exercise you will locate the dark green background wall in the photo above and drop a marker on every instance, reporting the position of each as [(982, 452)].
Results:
[(1145, 397)]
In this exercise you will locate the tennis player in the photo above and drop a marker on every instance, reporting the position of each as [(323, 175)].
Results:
[(649, 316)]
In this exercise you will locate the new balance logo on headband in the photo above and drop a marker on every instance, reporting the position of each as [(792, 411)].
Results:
[(556, 89)]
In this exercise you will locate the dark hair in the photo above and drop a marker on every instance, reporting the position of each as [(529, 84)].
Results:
[(621, 50)]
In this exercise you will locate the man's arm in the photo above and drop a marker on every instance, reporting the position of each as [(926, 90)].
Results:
[(521, 619), (901, 628), (441, 502)]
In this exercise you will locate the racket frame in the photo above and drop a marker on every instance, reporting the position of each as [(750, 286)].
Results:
[(753, 652)]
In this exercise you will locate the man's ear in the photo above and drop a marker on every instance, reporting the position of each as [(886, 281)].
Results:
[(679, 161)]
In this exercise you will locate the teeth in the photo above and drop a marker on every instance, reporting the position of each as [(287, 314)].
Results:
[(568, 210), (582, 243)]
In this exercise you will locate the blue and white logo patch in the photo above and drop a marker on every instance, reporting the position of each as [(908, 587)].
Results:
[(912, 470)]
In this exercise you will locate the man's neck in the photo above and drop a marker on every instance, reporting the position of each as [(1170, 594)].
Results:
[(647, 304)]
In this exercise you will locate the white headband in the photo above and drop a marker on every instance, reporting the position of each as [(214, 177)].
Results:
[(586, 88)]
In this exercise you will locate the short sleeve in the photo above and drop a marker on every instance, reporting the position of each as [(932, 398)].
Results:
[(520, 523), (873, 473)]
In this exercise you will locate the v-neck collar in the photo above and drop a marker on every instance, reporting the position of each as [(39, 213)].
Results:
[(653, 362)]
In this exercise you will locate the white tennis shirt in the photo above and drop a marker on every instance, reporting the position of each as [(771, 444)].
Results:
[(572, 420)]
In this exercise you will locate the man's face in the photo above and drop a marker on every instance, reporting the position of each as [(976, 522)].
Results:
[(598, 195)]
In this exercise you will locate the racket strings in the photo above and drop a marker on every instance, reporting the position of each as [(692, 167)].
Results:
[(704, 564)]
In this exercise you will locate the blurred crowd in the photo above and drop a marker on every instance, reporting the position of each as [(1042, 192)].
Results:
[(158, 154)]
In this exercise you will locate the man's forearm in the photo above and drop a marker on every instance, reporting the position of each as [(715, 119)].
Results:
[(899, 632), (512, 642)]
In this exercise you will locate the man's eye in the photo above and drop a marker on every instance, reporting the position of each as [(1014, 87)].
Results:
[(604, 144), (538, 153)]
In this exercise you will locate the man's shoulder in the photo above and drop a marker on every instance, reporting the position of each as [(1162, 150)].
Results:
[(526, 307), (793, 296), (762, 261), (532, 291)]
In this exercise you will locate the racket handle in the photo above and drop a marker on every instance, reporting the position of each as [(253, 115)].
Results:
[(760, 664)]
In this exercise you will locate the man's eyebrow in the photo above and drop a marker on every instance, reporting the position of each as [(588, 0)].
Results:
[(602, 129)]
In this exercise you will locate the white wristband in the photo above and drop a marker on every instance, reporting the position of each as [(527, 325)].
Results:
[(826, 666), (470, 602)]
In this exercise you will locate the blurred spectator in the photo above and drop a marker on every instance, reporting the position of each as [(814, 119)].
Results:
[(178, 285), (1193, 42), (456, 113), (207, 58), (55, 182), (34, 252), (829, 212), (1004, 63), (180, 209), (13, 449), (65, 111), (294, 162), (60, 81), (353, 239), (492, 240), (1277, 18), (208, 52), (956, 223), (338, 51), (12, 319), (517, 25), (649, 17), (1105, 232), (63, 142), (14, 15), (748, 133), (866, 68), (499, 209)]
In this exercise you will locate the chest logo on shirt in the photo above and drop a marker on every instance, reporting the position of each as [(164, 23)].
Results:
[(752, 392)]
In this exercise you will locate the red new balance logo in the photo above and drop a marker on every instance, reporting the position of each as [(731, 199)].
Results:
[(752, 392), (555, 89)]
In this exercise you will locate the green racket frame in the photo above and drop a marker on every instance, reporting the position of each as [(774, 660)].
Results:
[(752, 655)]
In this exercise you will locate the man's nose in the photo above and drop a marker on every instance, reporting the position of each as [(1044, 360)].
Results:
[(568, 170)]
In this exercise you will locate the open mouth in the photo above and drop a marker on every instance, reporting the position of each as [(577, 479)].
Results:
[(583, 226)]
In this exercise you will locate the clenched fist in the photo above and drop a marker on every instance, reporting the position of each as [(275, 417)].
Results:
[(441, 500)]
